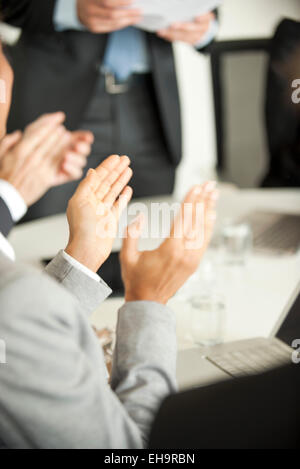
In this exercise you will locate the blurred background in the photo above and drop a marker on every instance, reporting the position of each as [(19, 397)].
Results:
[(223, 119)]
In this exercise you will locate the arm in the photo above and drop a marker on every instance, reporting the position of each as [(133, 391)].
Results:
[(69, 375), (144, 366), (55, 394), (89, 289)]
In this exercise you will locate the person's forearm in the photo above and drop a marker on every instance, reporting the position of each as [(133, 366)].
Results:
[(144, 367), (89, 289)]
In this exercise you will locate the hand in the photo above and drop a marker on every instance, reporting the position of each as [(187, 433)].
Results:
[(95, 209), (44, 156), (31, 160), (190, 32), (73, 157), (158, 275), (105, 16)]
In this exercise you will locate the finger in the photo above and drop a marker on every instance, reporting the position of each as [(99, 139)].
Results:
[(69, 173), (189, 27), (115, 170), (9, 141), (82, 148), (118, 187), (83, 136), (203, 216), (115, 14), (73, 159), (89, 184), (103, 170), (184, 219), (116, 3), (184, 36), (131, 239), (122, 202), (106, 26), (50, 150), (107, 166), (37, 135), (51, 119)]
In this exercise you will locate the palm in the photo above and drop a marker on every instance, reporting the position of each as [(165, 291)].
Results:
[(95, 209)]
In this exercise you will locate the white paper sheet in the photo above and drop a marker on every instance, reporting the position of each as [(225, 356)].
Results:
[(159, 14)]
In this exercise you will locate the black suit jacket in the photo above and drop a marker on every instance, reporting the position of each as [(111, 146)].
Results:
[(6, 221), (58, 71), (254, 412)]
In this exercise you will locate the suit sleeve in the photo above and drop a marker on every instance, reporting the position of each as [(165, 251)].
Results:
[(54, 392), (89, 292), (6, 221), (30, 15)]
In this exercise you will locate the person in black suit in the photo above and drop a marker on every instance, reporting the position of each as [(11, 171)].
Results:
[(283, 107), (84, 57), (257, 412)]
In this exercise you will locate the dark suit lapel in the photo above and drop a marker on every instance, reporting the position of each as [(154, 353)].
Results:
[(6, 221)]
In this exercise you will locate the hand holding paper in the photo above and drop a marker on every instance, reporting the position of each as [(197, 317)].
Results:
[(161, 14), (106, 16), (191, 32)]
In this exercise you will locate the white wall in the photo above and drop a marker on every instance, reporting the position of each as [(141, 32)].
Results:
[(239, 19)]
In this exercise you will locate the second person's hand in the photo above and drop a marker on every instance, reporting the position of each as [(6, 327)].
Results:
[(157, 275)]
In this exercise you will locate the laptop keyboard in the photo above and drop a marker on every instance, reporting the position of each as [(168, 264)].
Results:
[(253, 360), (275, 232)]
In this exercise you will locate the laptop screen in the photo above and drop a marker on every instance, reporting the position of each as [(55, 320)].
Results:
[(290, 328)]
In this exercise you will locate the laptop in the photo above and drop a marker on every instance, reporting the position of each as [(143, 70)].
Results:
[(274, 233), (247, 357)]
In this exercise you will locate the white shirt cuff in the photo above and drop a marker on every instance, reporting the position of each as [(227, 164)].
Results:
[(65, 16), (210, 35), (81, 267), (13, 200), (6, 248)]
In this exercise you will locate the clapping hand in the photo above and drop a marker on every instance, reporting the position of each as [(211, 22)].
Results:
[(95, 209)]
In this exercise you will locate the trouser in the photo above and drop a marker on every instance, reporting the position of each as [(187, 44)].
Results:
[(126, 124)]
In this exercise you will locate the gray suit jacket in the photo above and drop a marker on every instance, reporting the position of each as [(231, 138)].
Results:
[(53, 388)]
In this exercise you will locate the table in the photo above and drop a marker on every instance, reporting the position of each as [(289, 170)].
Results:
[(256, 296)]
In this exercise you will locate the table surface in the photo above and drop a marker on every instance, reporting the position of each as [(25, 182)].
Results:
[(255, 295)]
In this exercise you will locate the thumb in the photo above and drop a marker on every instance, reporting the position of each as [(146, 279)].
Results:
[(132, 236)]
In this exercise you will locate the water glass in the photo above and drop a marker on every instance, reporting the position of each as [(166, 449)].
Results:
[(208, 316), (236, 242)]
